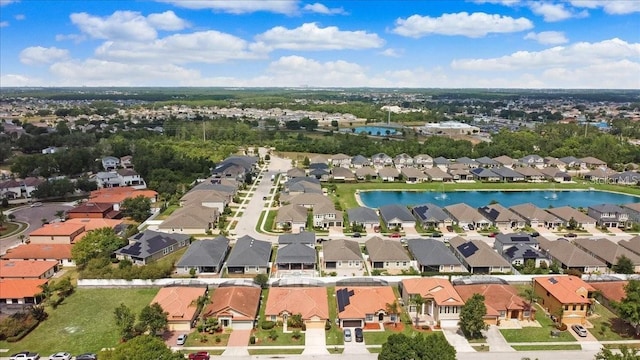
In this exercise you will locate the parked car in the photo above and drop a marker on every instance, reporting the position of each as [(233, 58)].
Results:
[(347, 335), (200, 355), (493, 234), (571, 235), (436, 234), (181, 339), (470, 227), (87, 356), (36, 204), (60, 356), (580, 330), (395, 236), (357, 235), (320, 240), (25, 355), (359, 336)]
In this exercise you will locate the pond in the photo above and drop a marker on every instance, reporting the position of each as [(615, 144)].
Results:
[(540, 198)]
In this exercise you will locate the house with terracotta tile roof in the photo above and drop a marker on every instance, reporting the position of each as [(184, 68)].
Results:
[(57, 233), (442, 302), (608, 292), (310, 302), (93, 210), (360, 305), (27, 269), (117, 195), (60, 253), (502, 302), (18, 293), (117, 225), (179, 302), (567, 298), (234, 306)]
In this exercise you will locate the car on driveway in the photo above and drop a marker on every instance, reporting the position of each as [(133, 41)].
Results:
[(535, 234), (347, 335), (356, 235), (200, 355), (359, 335), (493, 234), (436, 234), (181, 339), (60, 356), (395, 236), (580, 330)]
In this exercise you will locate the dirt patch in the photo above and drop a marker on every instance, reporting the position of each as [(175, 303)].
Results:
[(372, 326), (397, 327)]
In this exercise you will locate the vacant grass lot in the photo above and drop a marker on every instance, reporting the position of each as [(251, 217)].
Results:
[(84, 322), (536, 334), (607, 326)]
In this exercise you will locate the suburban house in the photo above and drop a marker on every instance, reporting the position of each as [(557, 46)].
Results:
[(362, 305), (423, 161), (570, 257), (340, 160), (478, 257), (342, 254), (117, 195), (532, 160), (467, 162), (487, 162), (366, 172), (403, 160), (442, 303), (632, 244), (207, 198), (396, 216), (430, 215), (530, 174), (343, 174), (609, 215), (461, 175), (501, 217), (609, 292), (93, 210), (592, 162), (302, 185), (607, 251), (486, 175), (57, 233), (363, 216), (126, 161), (235, 167), (633, 211), (566, 213), (110, 163), (27, 269), (19, 293), (381, 159), (437, 174), (434, 256), (326, 216), (519, 248), (359, 161), (567, 298), (555, 174), (508, 175), (310, 302), (626, 178), (204, 256), (191, 219), (555, 162), (60, 253), (320, 174), (179, 302), (572, 162), (293, 217), (249, 256), (505, 161), (151, 245), (502, 302), (388, 174), (306, 238), (505, 241), (535, 216), (296, 257), (129, 177), (235, 307), (442, 163), (466, 216), (295, 173), (388, 255), (412, 175)]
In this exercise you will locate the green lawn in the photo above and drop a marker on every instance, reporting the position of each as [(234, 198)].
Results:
[(275, 351), (380, 337), (9, 228), (195, 339), (334, 335), (284, 339), (546, 347), (607, 326), (83, 322), (536, 334)]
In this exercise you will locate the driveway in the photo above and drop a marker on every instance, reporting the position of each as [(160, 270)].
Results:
[(238, 343), (496, 341), (457, 340), (315, 342), (33, 216), (353, 347)]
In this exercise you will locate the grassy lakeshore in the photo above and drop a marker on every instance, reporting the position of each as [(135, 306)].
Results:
[(345, 192)]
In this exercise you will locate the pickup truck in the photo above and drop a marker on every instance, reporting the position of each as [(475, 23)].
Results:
[(25, 355)]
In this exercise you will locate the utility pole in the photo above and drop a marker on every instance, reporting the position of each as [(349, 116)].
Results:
[(204, 134)]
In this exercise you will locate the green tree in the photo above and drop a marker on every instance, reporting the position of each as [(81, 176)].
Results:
[(625, 354), (138, 208), (624, 265), (125, 319), (629, 307), (472, 317), (64, 287), (153, 318), (144, 347), (99, 243), (573, 224), (418, 347), (417, 300), (262, 280), (393, 308), (529, 295)]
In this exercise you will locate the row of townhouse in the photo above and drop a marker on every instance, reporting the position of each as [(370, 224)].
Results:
[(426, 161)]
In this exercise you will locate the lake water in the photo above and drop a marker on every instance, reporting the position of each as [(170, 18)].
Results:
[(542, 199), (376, 130)]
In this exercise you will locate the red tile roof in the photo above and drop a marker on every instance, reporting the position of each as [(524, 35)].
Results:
[(611, 290), (308, 302), (497, 297), (117, 195), (367, 300), (438, 289), (240, 302), (25, 268), (40, 251), (179, 301), (564, 288), (58, 229), (20, 288), (92, 224)]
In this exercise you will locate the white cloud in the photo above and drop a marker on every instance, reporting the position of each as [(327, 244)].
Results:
[(576, 55), (548, 37), (323, 9), (167, 21), (93, 72), (392, 52), (614, 7), (311, 37), (17, 80), (287, 7), (77, 38), (501, 2), (127, 25), (38, 55), (20, 17), (473, 25), (199, 47), (7, 2), (4, 24), (554, 12)]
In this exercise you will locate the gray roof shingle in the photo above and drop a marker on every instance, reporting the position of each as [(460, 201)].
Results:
[(250, 252), (205, 253), (430, 252)]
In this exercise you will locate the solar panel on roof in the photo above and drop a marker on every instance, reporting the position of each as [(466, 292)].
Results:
[(530, 254), (520, 238), (467, 249), (553, 280), (343, 298)]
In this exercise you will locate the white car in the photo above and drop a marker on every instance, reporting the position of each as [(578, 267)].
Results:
[(60, 356)]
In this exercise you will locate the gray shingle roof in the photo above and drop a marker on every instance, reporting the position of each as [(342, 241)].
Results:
[(393, 211), (515, 239), (568, 254), (430, 252), (385, 250), (304, 237), (341, 250), (150, 242), (522, 251), (477, 253), (430, 212), (205, 253), (363, 215), (296, 254), (250, 252)]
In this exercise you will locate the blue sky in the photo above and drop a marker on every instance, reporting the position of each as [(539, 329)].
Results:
[(359, 43)]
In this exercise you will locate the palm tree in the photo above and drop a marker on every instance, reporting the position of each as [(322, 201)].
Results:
[(418, 301), (47, 290), (393, 308)]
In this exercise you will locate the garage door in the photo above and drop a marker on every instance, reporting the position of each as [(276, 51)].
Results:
[(351, 323), (315, 324), (447, 324), (179, 326), (242, 325)]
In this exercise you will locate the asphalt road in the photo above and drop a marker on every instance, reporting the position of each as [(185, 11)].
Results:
[(33, 217)]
